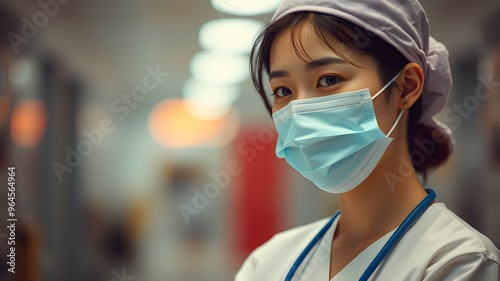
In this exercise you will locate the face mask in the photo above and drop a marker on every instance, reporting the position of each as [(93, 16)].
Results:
[(333, 141)]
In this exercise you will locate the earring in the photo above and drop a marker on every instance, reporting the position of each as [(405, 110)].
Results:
[(406, 102)]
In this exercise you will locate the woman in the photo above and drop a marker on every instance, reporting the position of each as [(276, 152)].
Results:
[(355, 86)]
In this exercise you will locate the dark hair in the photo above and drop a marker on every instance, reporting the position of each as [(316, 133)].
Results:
[(429, 147)]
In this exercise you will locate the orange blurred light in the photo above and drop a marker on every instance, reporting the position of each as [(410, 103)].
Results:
[(171, 125), (28, 123)]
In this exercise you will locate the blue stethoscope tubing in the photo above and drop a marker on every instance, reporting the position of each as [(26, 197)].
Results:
[(389, 245)]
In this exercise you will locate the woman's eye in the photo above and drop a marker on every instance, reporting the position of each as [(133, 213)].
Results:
[(282, 92), (327, 81)]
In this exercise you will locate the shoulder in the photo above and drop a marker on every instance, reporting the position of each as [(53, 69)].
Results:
[(296, 234), (289, 240), (457, 234), (455, 249), (278, 253), (441, 246)]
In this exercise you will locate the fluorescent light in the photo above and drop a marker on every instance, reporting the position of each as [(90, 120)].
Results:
[(21, 72), (222, 94), (245, 7), (219, 69), (209, 101), (229, 36)]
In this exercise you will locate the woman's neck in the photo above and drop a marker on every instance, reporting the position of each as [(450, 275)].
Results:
[(378, 205)]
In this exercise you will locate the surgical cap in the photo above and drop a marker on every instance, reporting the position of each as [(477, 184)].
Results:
[(404, 25)]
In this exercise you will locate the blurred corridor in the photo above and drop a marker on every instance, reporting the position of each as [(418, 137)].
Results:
[(142, 151)]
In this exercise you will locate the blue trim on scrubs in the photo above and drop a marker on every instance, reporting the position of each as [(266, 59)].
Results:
[(384, 252)]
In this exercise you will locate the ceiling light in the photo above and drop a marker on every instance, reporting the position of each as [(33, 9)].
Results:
[(245, 7), (219, 69), (229, 36)]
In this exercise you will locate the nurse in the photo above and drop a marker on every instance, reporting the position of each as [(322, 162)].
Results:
[(355, 87)]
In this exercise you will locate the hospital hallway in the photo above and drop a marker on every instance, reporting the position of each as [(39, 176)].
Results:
[(138, 148)]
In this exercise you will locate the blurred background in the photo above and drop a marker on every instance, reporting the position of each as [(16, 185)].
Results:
[(142, 151)]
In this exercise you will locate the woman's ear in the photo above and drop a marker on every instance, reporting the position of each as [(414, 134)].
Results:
[(412, 84)]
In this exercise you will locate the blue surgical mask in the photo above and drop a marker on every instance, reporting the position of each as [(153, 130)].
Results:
[(333, 141)]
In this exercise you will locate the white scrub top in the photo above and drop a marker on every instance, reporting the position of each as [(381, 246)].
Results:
[(439, 246)]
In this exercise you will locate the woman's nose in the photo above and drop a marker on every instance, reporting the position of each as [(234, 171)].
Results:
[(304, 94)]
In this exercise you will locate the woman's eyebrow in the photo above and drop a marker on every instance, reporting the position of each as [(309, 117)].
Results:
[(310, 65), (324, 61), (278, 73)]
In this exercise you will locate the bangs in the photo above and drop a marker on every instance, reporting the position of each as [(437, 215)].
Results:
[(320, 29)]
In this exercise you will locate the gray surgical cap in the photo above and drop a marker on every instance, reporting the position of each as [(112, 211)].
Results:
[(404, 25)]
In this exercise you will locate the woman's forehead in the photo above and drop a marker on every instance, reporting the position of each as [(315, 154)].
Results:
[(305, 43)]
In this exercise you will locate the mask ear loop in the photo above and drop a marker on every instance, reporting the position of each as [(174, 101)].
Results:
[(382, 90), (387, 85), (399, 117), (400, 114), (395, 123)]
